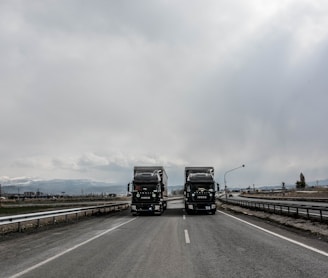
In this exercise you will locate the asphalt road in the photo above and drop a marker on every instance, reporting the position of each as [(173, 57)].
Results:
[(171, 245)]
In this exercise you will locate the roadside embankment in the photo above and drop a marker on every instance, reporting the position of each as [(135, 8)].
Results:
[(315, 228)]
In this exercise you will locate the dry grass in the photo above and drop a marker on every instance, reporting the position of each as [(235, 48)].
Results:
[(308, 193)]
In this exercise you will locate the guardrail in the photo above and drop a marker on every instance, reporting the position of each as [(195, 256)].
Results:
[(34, 219), (310, 212)]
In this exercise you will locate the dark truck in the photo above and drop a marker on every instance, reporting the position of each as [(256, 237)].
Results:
[(148, 190), (199, 190)]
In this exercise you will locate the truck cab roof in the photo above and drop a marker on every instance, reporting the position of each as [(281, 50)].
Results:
[(200, 177), (147, 177)]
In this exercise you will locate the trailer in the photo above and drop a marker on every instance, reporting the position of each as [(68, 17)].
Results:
[(199, 190), (148, 190)]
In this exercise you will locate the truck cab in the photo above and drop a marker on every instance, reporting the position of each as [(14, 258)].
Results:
[(149, 190), (199, 190)]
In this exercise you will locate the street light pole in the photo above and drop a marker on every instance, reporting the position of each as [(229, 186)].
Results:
[(225, 181)]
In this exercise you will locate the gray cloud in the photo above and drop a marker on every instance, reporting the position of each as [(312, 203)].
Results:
[(90, 89)]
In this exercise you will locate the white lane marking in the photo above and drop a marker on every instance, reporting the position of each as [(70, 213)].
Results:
[(187, 236), (184, 217), (280, 236), (68, 250)]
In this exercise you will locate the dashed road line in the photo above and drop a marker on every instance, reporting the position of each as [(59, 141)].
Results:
[(187, 236)]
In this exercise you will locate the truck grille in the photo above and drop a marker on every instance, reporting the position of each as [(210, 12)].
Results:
[(202, 197)]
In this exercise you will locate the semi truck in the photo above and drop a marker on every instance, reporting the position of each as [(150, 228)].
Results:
[(148, 190), (199, 190)]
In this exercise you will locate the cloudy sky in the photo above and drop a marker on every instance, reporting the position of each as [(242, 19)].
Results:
[(91, 88)]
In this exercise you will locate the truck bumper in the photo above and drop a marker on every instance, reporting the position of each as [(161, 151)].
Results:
[(201, 206), (146, 208)]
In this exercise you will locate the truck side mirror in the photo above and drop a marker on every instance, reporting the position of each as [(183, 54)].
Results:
[(128, 187), (218, 187)]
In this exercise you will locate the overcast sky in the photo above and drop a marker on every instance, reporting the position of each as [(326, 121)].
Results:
[(90, 89)]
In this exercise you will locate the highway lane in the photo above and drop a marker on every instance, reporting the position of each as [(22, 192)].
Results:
[(171, 245), (239, 250)]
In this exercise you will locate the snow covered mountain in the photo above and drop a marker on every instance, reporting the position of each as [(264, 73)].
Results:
[(59, 186)]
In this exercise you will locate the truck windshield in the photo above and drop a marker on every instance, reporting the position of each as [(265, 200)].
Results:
[(202, 186), (145, 187)]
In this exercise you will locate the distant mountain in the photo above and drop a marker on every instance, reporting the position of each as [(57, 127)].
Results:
[(87, 187), (290, 186), (68, 186), (287, 185), (60, 186), (319, 182)]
